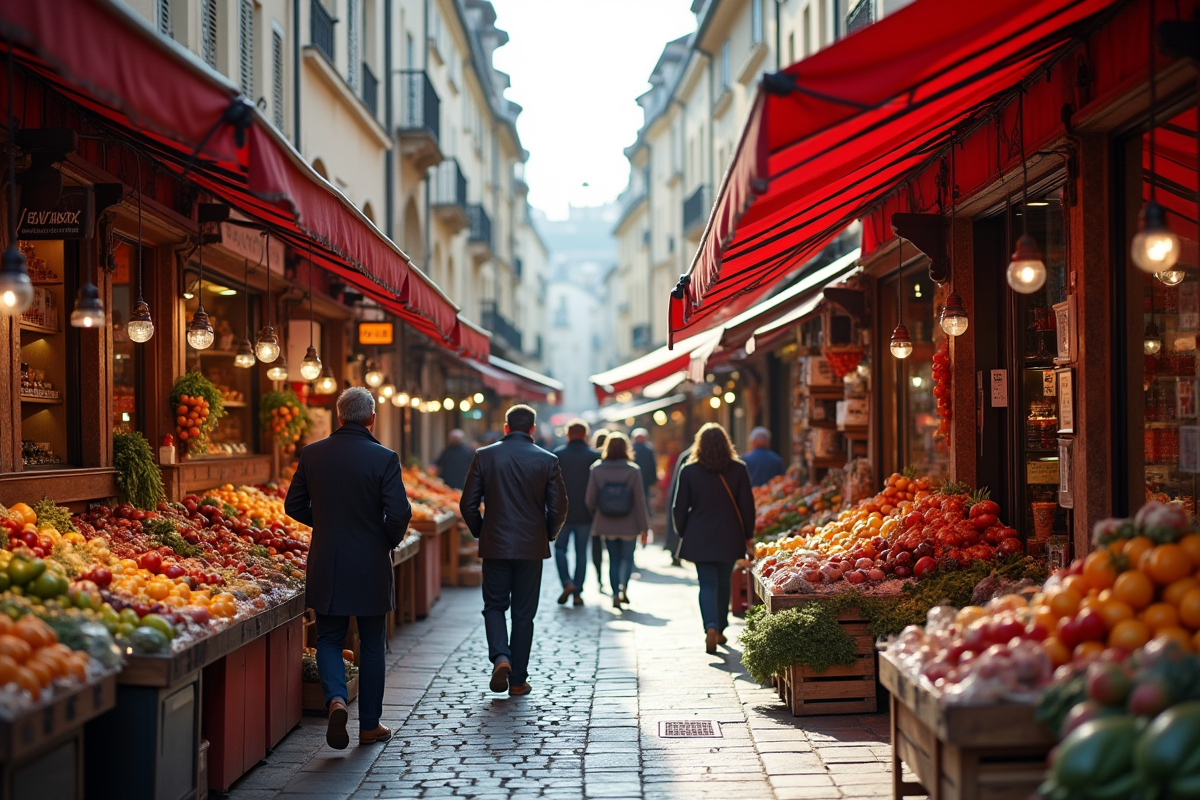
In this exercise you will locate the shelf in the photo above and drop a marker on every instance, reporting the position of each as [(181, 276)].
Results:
[(1166, 423), (210, 352), (29, 326), (826, 392), (47, 283), (48, 401), (234, 404), (827, 462)]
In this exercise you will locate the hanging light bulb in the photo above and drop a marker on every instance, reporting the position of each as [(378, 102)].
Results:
[(141, 325), (373, 377), (730, 397), (954, 316), (901, 345), (387, 390), (326, 384), (16, 290), (1173, 276), (401, 399), (478, 398), (1152, 341), (415, 402), (278, 371), (714, 402), (310, 367), (448, 403), (244, 358), (200, 333), (267, 346), (1155, 247), (89, 311), (1026, 272), (464, 406)]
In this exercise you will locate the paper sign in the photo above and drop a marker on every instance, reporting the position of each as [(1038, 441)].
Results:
[(1047, 383), (999, 388), (374, 333), (1042, 471)]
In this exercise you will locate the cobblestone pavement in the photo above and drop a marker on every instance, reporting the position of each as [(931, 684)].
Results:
[(602, 681)]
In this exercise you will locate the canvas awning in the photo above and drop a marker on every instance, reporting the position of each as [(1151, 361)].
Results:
[(657, 365), (618, 413)]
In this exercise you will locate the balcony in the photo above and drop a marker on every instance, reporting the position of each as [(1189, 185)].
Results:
[(420, 119), (641, 336), (370, 90), (321, 30), (479, 240), (862, 15), (503, 331), (695, 213), (448, 195)]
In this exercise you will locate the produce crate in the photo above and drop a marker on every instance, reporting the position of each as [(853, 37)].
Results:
[(470, 575), (404, 579), (838, 689), (741, 595), (313, 696), (429, 560), (995, 752)]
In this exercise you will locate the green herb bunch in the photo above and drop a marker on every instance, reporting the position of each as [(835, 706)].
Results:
[(164, 533), (56, 516), (809, 635), (138, 479)]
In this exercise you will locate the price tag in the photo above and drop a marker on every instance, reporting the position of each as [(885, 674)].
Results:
[(999, 388), (1048, 383), (1042, 471)]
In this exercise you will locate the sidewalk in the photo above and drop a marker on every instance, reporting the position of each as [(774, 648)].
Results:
[(602, 682)]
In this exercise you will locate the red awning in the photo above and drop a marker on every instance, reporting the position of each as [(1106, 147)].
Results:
[(167, 103), (655, 365), (832, 135), (473, 341)]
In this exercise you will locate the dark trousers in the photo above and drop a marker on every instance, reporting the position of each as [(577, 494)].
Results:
[(580, 531), (331, 633), (620, 562), (598, 558), (516, 583), (715, 578)]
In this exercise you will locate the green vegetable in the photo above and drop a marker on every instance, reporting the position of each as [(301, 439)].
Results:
[(138, 478), (149, 640), (160, 624), (810, 636), (48, 585), (56, 516), (1096, 753), (163, 532), (1058, 700), (22, 570), (1170, 746)]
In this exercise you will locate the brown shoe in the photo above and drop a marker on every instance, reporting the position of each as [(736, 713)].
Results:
[(710, 642), (500, 675), (567, 591), (335, 730), (721, 638), (380, 734), (517, 691)]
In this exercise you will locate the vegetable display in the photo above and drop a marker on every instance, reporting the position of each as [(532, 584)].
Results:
[(138, 478), (783, 505), (810, 635), (198, 406), (430, 496)]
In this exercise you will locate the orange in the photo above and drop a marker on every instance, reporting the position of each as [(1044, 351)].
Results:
[(1134, 548), (1167, 563), (1045, 617), (16, 649), (1098, 570), (1114, 611), (1189, 609), (1076, 584), (8, 670), (1057, 651), (1135, 588), (41, 669), (158, 590), (1160, 615), (1177, 635), (6, 623), (1175, 592), (77, 669), (1191, 546), (28, 681), (1130, 634), (1087, 651), (36, 632), (1065, 602)]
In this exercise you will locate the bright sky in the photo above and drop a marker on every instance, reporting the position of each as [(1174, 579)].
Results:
[(577, 68)]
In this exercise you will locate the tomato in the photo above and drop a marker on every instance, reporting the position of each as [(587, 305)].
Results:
[(983, 521), (1189, 609), (151, 561), (1129, 634), (1135, 548), (1135, 588), (1065, 602), (1174, 593), (1099, 571), (1115, 611), (985, 507), (1160, 615)]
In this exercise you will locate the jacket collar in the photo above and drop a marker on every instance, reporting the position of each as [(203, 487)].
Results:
[(354, 429), (517, 435)]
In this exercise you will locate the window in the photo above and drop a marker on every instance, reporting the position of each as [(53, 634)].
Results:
[(162, 13), (792, 45), (277, 111), (806, 45), (353, 46), (208, 32), (725, 67), (246, 47), (756, 21)]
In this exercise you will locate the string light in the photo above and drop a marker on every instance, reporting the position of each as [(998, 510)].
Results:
[(140, 326), (954, 319), (267, 347), (373, 376)]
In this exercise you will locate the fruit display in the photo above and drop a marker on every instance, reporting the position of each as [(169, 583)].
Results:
[(943, 391), (911, 529), (284, 416), (198, 406), (783, 505), (429, 495)]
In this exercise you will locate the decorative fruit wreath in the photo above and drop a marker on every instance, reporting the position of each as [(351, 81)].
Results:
[(842, 358), (284, 416), (197, 405)]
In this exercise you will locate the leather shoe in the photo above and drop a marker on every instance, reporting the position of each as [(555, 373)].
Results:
[(380, 734), (710, 642), (578, 601), (500, 675), (517, 691), (567, 591), (721, 638), (335, 730)]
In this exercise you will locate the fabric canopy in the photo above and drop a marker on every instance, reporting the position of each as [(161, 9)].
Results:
[(543, 383), (137, 84), (655, 365), (831, 136), (618, 413)]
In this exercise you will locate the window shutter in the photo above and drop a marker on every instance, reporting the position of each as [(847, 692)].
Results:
[(353, 68), (277, 78), (246, 47), (208, 32), (164, 17)]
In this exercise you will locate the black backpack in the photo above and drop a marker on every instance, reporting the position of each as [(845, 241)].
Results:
[(615, 500)]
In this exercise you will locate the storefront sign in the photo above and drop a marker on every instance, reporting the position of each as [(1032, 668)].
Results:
[(1044, 472), (999, 388), (71, 218), (1066, 400), (374, 333), (1064, 318), (251, 244)]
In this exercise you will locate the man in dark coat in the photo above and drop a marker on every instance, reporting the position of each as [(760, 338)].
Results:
[(672, 543), (762, 462), (348, 487), (643, 456), (455, 460), (521, 487), (576, 459)]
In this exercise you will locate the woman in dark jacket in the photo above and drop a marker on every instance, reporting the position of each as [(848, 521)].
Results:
[(714, 516), (621, 528)]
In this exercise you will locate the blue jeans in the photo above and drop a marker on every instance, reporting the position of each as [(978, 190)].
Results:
[(581, 532), (515, 583), (620, 562), (715, 577), (331, 634)]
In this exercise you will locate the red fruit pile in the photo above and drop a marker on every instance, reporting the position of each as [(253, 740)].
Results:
[(942, 386)]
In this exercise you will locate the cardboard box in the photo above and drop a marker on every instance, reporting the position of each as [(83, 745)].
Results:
[(853, 413), (817, 372)]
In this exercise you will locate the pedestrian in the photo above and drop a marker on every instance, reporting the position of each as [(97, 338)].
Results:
[(520, 486), (598, 440), (576, 459), (714, 515), (672, 543), (348, 488), (762, 462), (643, 456), (618, 504), (455, 460)]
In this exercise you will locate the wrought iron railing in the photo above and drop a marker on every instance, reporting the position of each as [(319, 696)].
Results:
[(481, 225), (322, 29), (448, 185), (862, 15), (420, 108), (500, 326)]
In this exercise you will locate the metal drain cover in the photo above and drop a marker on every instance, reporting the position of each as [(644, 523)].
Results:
[(689, 729)]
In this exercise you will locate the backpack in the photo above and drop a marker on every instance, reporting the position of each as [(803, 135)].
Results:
[(615, 500)]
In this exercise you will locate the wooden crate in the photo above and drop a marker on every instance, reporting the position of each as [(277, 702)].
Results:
[(838, 689), (993, 752), (470, 575), (313, 696)]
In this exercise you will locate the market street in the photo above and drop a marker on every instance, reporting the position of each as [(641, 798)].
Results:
[(602, 682)]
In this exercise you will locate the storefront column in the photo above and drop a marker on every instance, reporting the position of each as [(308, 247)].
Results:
[(963, 430)]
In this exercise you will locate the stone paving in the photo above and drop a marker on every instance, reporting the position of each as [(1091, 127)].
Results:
[(602, 682)]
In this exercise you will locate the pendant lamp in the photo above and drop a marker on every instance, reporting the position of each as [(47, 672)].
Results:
[(954, 318), (1155, 246), (141, 325), (373, 376), (89, 311), (901, 345), (310, 367), (1026, 271), (267, 346), (200, 334), (244, 358)]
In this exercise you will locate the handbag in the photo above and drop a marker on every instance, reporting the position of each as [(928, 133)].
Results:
[(729, 492)]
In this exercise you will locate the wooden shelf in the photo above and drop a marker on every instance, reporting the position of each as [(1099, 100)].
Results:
[(212, 352), (828, 462), (29, 326), (234, 404), (46, 401)]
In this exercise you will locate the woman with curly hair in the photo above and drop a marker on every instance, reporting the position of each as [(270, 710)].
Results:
[(714, 516)]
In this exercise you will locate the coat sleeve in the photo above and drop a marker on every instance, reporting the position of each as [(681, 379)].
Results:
[(745, 499), (298, 504), (397, 511), (683, 502), (472, 496), (589, 497), (639, 503), (556, 501)]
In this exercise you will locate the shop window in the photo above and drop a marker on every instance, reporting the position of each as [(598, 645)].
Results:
[(1160, 391), (126, 354), (913, 432), (225, 302)]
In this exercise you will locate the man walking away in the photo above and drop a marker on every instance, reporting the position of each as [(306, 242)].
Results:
[(521, 487), (643, 456), (762, 462), (455, 460), (576, 459), (348, 487)]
